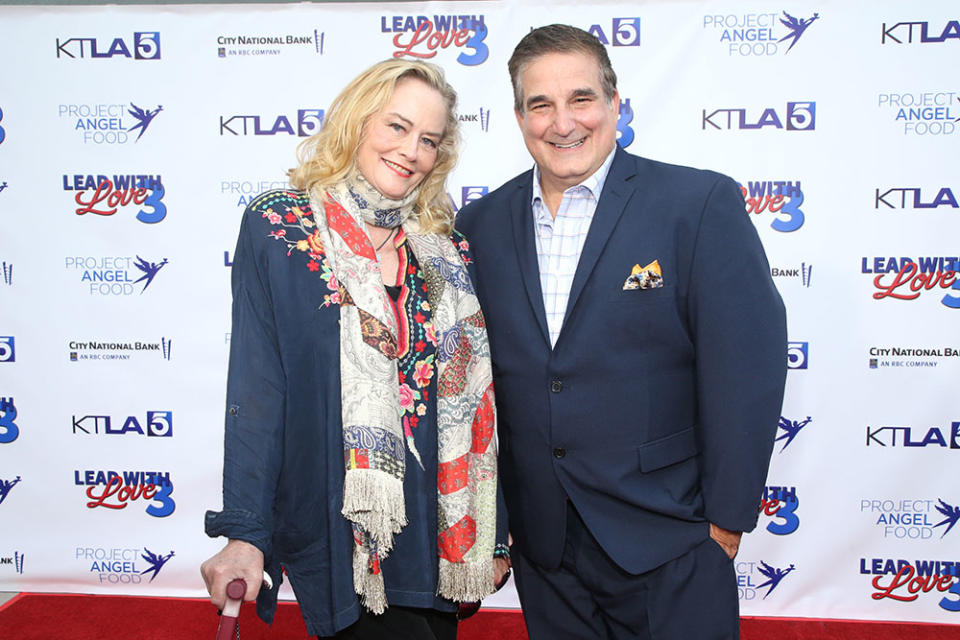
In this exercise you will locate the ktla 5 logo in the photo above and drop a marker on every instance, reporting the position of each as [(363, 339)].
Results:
[(159, 424), (146, 46), (309, 122), (8, 351), (799, 116), (626, 32), (902, 32), (797, 355)]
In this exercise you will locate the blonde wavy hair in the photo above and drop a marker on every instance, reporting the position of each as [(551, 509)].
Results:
[(329, 156)]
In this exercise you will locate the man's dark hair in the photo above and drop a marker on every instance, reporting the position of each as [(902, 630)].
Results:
[(559, 38)]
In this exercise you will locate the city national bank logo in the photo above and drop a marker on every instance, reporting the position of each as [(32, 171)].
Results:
[(123, 565), (919, 32), (272, 45), (422, 36), (145, 45), (906, 278), (114, 275), (242, 192), (782, 198), (803, 273), (308, 122), (780, 505), (15, 561), (9, 431), (104, 195), (934, 113), (912, 518), (625, 32), (913, 198), (758, 34), (482, 118), (107, 123), (881, 357), (116, 491), (6, 486), (158, 424), (121, 351), (8, 273), (909, 437), (753, 578), (798, 355), (905, 581), (798, 116)]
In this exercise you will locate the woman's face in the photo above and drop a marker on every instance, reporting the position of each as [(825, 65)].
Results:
[(399, 144)]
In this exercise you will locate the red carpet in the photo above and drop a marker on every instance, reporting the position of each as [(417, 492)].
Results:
[(80, 617)]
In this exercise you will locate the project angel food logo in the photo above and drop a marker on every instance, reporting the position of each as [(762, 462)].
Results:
[(797, 116), (778, 507), (760, 578), (779, 199), (103, 196), (911, 357), (240, 192), (270, 44), (758, 34), (144, 45), (919, 32), (904, 581), (157, 424), (308, 122), (123, 565), (922, 113), (912, 518), (109, 123), (116, 491), (905, 279), (6, 486), (422, 37), (788, 429), (935, 437), (114, 275), (120, 351)]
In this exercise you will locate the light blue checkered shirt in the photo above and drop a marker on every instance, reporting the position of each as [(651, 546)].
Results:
[(560, 240)]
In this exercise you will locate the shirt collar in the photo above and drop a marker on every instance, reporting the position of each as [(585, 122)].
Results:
[(593, 184)]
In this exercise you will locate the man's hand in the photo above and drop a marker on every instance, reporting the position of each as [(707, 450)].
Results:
[(728, 540), (238, 559)]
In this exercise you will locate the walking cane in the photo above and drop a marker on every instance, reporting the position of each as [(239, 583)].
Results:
[(230, 617)]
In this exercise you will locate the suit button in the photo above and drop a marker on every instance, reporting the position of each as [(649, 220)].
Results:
[(559, 452), (556, 386)]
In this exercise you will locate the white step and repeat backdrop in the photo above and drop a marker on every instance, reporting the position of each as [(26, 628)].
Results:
[(131, 139)]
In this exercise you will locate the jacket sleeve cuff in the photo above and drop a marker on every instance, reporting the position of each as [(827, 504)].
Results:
[(237, 524)]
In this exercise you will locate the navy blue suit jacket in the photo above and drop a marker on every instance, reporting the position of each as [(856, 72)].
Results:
[(655, 412)]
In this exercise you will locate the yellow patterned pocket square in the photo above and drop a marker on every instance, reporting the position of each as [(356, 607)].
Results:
[(648, 277)]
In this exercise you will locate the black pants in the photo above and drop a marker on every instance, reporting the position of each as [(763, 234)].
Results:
[(402, 623), (590, 597)]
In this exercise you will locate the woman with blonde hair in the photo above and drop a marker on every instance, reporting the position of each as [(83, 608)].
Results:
[(360, 448)]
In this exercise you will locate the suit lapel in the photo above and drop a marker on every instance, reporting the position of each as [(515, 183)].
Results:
[(617, 191), (521, 215)]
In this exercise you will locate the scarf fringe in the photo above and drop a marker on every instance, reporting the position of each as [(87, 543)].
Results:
[(466, 582), (368, 585), (374, 500)]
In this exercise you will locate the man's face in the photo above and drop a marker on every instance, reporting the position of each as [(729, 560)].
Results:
[(567, 124)]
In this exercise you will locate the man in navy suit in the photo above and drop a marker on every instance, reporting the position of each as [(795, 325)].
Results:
[(639, 353)]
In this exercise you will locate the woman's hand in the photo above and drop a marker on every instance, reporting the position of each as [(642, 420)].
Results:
[(238, 559), (501, 571)]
